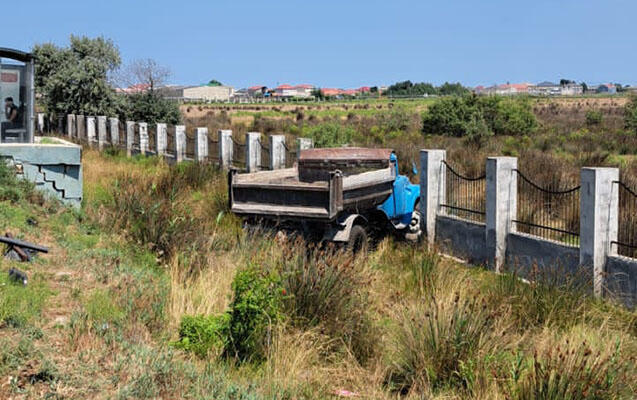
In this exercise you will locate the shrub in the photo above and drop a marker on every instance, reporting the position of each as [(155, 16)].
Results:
[(244, 331), (456, 116), (436, 341), (330, 134), (11, 187), (630, 115), (594, 118), (572, 371), (328, 288), (199, 334), (254, 310)]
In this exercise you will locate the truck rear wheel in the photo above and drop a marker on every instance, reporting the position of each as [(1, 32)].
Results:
[(357, 239)]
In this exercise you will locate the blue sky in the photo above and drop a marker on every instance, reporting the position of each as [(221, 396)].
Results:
[(349, 43)]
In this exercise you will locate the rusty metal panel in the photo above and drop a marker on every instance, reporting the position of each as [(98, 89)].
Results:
[(345, 154)]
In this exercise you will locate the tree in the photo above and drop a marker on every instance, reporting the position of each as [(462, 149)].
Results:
[(214, 82), (584, 87), (564, 82), (145, 72), (630, 115), (75, 79), (317, 93)]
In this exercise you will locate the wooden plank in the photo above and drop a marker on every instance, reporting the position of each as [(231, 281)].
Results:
[(278, 210)]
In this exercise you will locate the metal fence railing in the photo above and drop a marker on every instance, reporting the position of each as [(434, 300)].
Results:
[(548, 212), (265, 156), (465, 196), (626, 243), (238, 153)]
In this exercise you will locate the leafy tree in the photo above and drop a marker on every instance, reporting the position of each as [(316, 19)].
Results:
[(75, 78), (564, 82), (584, 87), (150, 107), (214, 82), (317, 93), (448, 89)]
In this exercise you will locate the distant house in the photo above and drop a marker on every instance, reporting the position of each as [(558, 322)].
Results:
[(257, 90), (607, 88), (205, 93), (290, 91), (546, 88), (631, 89), (571, 89), (506, 89), (139, 88)]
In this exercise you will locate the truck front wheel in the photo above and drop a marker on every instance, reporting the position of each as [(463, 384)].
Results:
[(357, 239), (414, 231)]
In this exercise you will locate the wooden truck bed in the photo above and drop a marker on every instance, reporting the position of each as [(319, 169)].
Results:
[(319, 194)]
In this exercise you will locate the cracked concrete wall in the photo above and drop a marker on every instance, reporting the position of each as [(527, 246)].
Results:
[(55, 169)]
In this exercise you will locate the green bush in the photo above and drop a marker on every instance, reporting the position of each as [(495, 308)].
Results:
[(330, 134), (12, 188), (150, 107), (199, 334), (479, 116), (594, 117), (244, 332)]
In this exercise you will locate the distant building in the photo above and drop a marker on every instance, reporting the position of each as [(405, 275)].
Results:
[(205, 93), (139, 88), (607, 88), (631, 89), (507, 89), (290, 91), (571, 89), (546, 88)]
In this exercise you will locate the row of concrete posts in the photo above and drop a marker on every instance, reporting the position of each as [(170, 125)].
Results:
[(103, 131), (599, 202)]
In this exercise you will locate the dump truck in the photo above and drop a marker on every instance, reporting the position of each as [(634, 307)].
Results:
[(332, 194)]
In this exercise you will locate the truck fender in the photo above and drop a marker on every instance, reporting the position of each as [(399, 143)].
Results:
[(340, 231)]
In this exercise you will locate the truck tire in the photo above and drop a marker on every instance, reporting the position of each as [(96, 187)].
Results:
[(415, 231), (357, 239)]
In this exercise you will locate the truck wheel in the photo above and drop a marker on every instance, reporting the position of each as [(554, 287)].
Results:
[(357, 239), (414, 232)]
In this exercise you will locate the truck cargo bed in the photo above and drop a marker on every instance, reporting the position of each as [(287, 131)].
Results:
[(280, 193)]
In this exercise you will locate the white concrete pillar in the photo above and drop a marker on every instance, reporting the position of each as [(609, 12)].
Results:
[(225, 148), (161, 139), (432, 188), (80, 127), (304, 144), (70, 125), (253, 151), (41, 122), (277, 151), (599, 203), (501, 206), (180, 142), (130, 137), (90, 130), (101, 131), (114, 128), (201, 144), (143, 138)]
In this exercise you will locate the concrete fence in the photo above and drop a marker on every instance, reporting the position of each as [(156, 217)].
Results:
[(500, 244), (174, 144)]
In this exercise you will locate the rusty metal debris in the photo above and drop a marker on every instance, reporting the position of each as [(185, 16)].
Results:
[(19, 249)]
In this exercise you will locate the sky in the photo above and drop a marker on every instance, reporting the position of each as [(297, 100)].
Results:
[(350, 43)]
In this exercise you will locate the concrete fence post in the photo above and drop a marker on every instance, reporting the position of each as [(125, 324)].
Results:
[(161, 138), (304, 144), (130, 137), (80, 127), (277, 151), (143, 138), (253, 151), (180, 143), (70, 125), (41, 122), (432, 189), (101, 131), (599, 204), (90, 130), (225, 148), (201, 144), (114, 130), (501, 207)]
